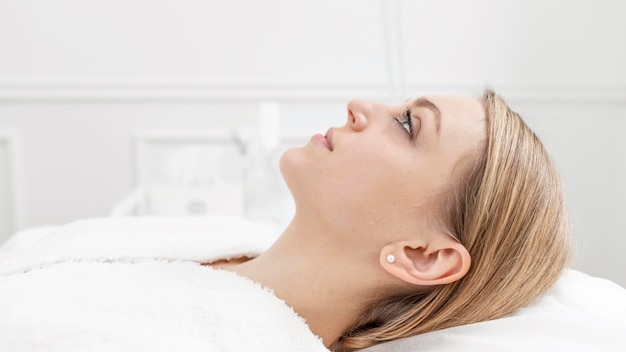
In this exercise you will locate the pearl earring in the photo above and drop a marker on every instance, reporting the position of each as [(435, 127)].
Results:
[(391, 258)]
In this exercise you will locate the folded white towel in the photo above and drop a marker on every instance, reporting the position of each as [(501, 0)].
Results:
[(137, 285), (194, 238)]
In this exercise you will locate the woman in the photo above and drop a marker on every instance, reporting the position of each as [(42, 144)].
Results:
[(439, 212)]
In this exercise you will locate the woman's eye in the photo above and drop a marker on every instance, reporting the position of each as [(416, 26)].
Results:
[(406, 124)]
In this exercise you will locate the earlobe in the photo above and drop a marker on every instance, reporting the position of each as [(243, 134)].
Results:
[(423, 263)]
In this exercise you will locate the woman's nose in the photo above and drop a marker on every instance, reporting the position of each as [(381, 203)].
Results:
[(358, 112)]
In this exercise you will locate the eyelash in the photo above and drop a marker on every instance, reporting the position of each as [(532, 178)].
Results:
[(406, 122)]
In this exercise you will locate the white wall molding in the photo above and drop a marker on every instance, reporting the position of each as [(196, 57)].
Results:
[(533, 95), (180, 89), (121, 89), (10, 140), (393, 41)]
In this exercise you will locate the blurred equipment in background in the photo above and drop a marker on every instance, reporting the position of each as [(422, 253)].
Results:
[(191, 174)]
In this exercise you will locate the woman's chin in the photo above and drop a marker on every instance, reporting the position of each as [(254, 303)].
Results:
[(288, 166)]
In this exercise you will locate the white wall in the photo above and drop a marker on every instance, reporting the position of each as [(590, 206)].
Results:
[(79, 78)]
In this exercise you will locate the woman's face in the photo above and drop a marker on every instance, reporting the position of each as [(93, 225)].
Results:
[(388, 165)]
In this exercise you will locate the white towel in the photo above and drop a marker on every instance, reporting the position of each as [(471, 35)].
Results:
[(580, 313), (135, 284)]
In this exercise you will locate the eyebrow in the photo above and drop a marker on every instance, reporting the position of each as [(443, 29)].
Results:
[(425, 103)]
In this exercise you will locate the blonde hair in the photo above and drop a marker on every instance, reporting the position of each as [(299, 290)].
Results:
[(509, 214)]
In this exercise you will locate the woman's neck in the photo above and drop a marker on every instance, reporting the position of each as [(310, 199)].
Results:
[(318, 277)]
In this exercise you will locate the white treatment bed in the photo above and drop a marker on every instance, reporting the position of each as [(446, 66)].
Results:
[(133, 284)]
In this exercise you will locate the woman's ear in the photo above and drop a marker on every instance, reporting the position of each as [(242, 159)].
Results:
[(438, 260)]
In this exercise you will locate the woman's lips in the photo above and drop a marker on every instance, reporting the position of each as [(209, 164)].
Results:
[(326, 140), (329, 138)]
